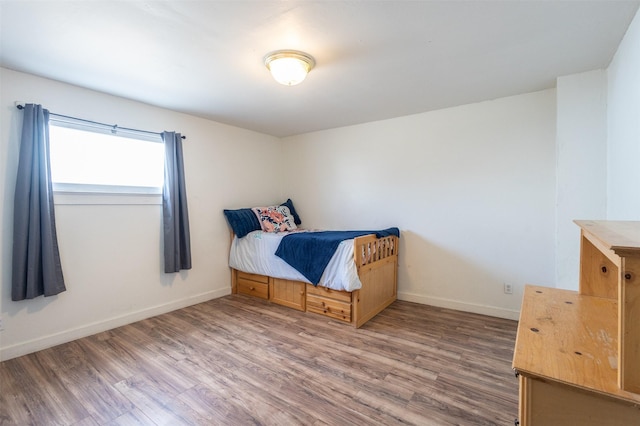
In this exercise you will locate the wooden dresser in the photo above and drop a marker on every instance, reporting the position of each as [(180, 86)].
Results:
[(577, 354)]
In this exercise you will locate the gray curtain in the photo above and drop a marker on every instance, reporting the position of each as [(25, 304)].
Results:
[(36, 268), (175, 215)]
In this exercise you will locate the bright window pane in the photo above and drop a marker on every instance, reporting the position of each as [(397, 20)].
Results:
[(88, 158)]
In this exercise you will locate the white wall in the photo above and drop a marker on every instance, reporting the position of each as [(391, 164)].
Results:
[(624, 128), (472, 189), (111, 254), (581, 147)]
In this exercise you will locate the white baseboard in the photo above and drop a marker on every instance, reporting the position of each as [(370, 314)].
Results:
[(460, 306), (65, 336)]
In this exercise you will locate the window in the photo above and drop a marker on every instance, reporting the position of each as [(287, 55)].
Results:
[(95, 160)]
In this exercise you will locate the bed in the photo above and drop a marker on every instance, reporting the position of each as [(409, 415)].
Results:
[(358, 281)]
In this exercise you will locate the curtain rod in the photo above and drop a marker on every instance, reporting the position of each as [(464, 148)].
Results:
[(115, 127)]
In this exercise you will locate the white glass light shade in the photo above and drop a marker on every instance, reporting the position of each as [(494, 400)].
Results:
[(289, 67)]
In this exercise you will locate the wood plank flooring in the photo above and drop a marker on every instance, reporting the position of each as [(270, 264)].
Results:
[(239, 360)]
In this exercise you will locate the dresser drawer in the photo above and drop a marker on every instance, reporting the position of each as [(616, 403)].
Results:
[(329, 307), (253, 288), (343, 296)]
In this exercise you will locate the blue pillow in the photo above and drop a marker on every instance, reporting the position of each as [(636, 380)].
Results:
[(242, 221), (289, 204)]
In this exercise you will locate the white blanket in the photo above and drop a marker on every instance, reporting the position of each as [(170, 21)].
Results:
[(255, 254)]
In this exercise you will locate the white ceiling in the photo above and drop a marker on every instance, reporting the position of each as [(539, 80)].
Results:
[(375, 59)]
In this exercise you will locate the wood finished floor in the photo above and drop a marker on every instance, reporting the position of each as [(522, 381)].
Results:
[(239, 360)]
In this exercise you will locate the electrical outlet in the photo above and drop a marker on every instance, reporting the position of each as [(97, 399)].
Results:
[(508, 289)]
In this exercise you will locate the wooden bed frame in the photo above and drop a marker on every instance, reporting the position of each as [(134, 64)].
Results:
[(377, 264)]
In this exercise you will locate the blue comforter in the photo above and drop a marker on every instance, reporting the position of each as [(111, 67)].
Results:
[(310, 252)]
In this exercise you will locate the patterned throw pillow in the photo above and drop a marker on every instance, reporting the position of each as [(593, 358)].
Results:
[(275, 218)]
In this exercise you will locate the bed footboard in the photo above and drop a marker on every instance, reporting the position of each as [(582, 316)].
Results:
[(377, 263)]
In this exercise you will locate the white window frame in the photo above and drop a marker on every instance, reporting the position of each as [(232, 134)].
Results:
[(80, 194)]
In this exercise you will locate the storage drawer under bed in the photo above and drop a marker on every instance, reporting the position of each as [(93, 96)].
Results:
[(332, 303), (253, 285)]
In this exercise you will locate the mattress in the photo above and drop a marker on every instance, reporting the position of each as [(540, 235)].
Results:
[(255, 254)]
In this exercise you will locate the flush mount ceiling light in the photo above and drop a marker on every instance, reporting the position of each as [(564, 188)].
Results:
[(289, 67)]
